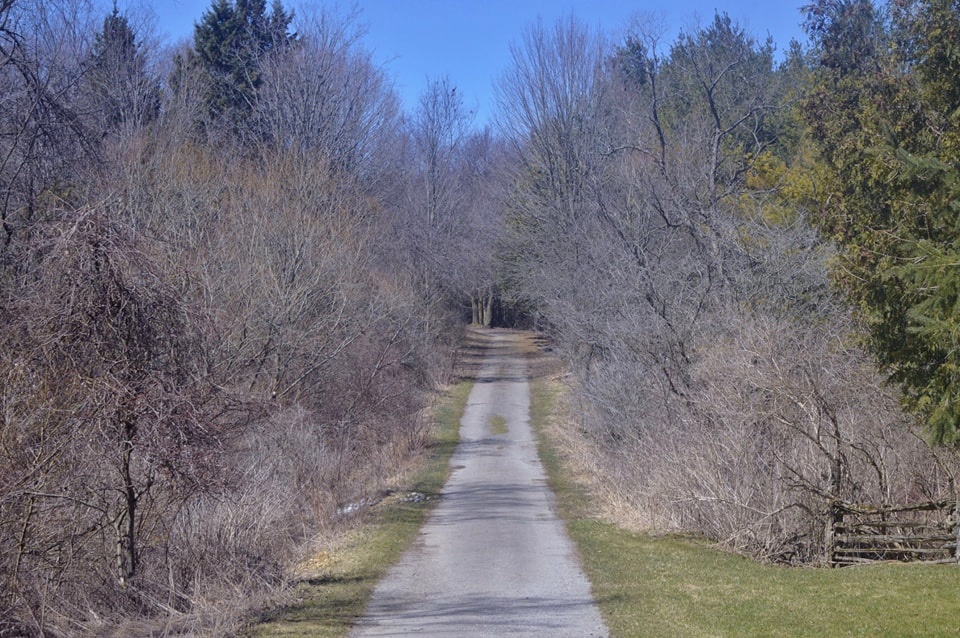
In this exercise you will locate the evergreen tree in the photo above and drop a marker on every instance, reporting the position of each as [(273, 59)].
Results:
[(885, 114), (120, 85), (230, 42)]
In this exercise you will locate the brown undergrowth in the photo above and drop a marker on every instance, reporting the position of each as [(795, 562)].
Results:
[(561, 423), (340, 568)]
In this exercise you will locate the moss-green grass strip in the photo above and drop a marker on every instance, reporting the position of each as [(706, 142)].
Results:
[(498, 425), (666, 586)]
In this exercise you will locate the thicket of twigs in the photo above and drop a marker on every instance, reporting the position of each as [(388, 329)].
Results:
[(659, 221), (212, 339)]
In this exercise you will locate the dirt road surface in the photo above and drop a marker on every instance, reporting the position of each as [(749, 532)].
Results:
[(493, 559)]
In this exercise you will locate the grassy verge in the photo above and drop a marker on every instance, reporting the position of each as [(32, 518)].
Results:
[(340, 583), (650, 586)]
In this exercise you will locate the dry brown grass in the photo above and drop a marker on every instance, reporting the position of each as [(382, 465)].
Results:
[(337, 575), (584, 463)]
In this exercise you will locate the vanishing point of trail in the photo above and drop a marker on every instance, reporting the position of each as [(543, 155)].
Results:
[(492, 559)]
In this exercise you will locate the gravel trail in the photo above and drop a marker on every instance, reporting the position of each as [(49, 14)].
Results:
[(493, 559)]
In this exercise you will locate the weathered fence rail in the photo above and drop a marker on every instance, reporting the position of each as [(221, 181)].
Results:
[(923, 532)]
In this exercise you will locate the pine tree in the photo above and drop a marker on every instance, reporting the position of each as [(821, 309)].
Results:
[(230, 42), (884, 113), (120, 85)]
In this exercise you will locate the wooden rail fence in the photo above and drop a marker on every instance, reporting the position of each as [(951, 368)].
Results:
[(924, 532)]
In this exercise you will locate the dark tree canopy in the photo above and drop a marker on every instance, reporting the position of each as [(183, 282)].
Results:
[(122, 89), (883, 112), (230, 43)]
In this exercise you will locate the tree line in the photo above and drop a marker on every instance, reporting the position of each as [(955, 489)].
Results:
[(213, 339), (746, 261), (232, 275)]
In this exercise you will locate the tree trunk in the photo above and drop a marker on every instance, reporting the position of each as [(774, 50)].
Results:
[(481, 307), (126, 526)]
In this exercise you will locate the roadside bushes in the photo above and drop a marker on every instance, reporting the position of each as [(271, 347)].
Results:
[(772, 414), (720, 384), (780, 424), (108, 423), (746, 428), (197, 372), (207, 350)]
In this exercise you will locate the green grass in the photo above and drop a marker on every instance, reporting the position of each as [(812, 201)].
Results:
[(655, 586), (341, 582), (498, 425)]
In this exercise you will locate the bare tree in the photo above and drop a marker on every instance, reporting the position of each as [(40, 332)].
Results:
[(552, 102), (476, 238), (104, 385), (655, 267), (326, 96), (430, 205), (43, 133), (438, 129)]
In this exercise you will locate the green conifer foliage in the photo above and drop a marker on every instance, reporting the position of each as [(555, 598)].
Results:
[(884, 112), (230, 42)]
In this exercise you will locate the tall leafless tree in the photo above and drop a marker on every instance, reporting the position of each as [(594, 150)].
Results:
[(326, 96), (634, 232)]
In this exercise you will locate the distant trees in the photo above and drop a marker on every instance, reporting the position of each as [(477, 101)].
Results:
[(326, 98), (476, 242), (552, 103), (440, 125), (231, 43), (450, 215), (119, 80)]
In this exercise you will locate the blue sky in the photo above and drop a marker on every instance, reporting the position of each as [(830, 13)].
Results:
[(419, 40)]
